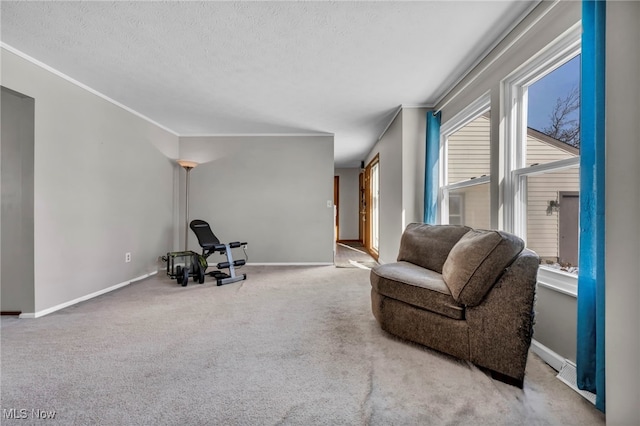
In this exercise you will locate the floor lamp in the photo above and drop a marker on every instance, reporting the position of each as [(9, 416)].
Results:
[(187, 165)]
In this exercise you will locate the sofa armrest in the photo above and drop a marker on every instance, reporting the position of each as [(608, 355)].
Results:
[(501, 327)]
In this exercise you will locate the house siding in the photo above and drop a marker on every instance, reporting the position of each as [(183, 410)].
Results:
[(468, 151), (468, 154), (543, 230)]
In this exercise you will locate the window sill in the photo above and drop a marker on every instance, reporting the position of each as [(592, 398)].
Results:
[(559, 281)]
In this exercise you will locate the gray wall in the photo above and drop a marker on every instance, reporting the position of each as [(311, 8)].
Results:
[(269, 191), (389, 147), (17, 202), (623, 205), (556, 321), (414, 129), (104, 185), (402, 155), (349, 217)]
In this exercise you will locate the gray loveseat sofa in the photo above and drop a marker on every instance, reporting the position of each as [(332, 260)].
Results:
[(465, 292)]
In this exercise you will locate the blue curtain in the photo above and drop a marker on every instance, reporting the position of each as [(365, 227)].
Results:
[(431, 167), (591, 276)]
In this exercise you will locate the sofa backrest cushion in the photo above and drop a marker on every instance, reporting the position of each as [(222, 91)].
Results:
[(429, 245), (476, 262)]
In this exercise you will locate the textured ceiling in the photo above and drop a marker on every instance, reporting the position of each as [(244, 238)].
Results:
[(220, 68)]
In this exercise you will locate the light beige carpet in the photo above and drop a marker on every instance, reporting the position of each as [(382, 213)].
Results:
[(290, 345)]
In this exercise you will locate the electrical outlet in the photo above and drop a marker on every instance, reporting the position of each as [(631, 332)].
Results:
[(329, 203), (246, 247), (127, 257)]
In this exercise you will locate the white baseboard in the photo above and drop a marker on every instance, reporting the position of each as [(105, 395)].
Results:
[(47, 311), (566, 369), (550, 357)]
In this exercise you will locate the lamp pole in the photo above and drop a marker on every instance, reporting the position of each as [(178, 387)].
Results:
[(187, 165)]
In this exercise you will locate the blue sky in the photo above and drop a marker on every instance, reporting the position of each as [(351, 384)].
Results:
[(544, 92)]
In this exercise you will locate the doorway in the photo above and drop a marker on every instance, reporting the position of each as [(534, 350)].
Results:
[(370, 210)]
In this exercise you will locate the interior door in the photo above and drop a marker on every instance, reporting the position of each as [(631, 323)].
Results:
[(336, 204)]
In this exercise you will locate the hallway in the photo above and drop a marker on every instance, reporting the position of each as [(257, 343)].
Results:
[(352, 255)]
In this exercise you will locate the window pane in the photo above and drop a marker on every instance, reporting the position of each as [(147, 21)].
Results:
[(553, 115), (456, 202), (552, 217), (468, 151), (470, 206)]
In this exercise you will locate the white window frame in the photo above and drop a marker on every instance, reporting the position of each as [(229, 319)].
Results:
[(514, 102), (464, 117)]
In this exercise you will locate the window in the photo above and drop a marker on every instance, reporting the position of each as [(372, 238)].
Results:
[(466, 160), (542, 174)]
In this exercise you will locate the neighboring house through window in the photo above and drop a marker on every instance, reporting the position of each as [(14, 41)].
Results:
[(542, 157), (465, 167)]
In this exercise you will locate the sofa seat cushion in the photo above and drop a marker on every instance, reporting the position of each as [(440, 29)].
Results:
[(476, 262), (416, 286)]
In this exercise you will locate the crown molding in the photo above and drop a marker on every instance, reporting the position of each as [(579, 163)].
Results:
[(485, 54), (54, 71), (244, 135), (400, 108)]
